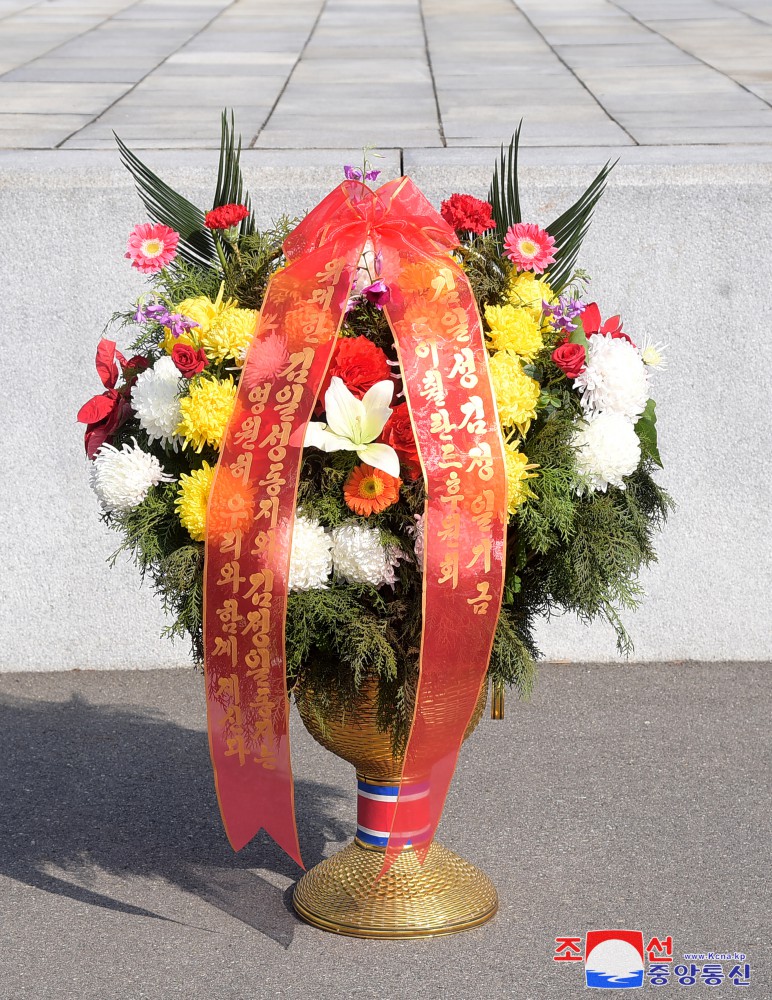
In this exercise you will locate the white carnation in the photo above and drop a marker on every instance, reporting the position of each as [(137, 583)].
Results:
[(607, 450), (155, 398), (615, 379), (122, 478), (311, 557), (359, 556)]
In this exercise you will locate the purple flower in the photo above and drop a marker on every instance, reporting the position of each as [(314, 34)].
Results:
[(178, 323), (378, 263), (372, 175), (377, 294), (351, 173), (563, 313), (155, 311)]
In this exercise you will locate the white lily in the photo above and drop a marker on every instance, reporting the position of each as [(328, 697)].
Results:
[(354, 424)]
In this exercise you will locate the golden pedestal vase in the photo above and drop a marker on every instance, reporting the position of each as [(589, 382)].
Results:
[(442, 896)]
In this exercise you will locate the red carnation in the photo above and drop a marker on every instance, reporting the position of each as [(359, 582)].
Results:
[(398, 433), (189, 361), (570, 359), (359, 363), (467, 214), (226, 216), (591, 324)]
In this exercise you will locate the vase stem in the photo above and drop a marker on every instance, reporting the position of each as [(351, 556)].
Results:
[(376, 805)]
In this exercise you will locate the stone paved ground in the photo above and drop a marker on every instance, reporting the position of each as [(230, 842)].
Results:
[(402, 74), (619, 796)]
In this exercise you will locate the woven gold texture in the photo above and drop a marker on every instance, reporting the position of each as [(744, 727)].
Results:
[(343, 894), (444, 895), (356, 738)]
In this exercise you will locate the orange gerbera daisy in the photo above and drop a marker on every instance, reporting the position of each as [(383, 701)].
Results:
[(369, 491)]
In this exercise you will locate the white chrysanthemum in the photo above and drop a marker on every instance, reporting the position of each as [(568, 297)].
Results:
[(653, 354), (311, 558), (155, 401), (607, 450), (122, 478), (615, 379), (417, 534), (359, 556)]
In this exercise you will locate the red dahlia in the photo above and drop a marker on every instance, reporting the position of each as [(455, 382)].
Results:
[(467, 214), (359, 363), (226, 216)]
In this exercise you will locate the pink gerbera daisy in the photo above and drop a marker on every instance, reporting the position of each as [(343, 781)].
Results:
[(529, 247), (151, 247)]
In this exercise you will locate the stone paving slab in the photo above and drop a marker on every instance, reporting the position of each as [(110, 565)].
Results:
[(619, 796), (311, 74)]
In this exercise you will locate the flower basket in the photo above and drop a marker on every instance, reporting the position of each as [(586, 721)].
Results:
[(357, 455)]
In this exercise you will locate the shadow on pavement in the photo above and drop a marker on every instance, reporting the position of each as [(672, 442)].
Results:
[(87, 788)]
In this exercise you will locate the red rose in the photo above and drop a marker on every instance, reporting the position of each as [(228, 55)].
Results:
[(398, 433), (467, 214), (226, 216), (570, 359), (591, 324), (189, 361), (359, 363)]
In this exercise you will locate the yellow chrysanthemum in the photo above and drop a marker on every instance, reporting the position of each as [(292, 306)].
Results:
[(230, 333), (515, 330), (528, 292), (192, 499), (224, 330), (516, 393), (205, 412), (518, 474), (202, 311)]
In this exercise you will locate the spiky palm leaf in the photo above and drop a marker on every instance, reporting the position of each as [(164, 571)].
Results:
[(570, 228), (171, 209), (230, 183), (504, 194), (167, 206)]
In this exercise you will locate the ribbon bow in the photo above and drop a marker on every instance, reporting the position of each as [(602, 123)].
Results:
[(433, 316)]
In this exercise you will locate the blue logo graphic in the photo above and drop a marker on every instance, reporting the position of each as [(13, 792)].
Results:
[(614, 960)]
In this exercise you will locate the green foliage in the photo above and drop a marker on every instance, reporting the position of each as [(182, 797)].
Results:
[(514, 652), (646, 429), (487, 272), (164, 552), (369, 634)]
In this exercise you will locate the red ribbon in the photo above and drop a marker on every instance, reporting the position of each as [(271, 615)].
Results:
[(436, 327)]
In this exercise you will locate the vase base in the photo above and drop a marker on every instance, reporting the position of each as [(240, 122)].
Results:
[(443, 896)]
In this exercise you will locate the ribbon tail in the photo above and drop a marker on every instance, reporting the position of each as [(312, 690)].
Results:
[(452, 408), (250, 521)]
